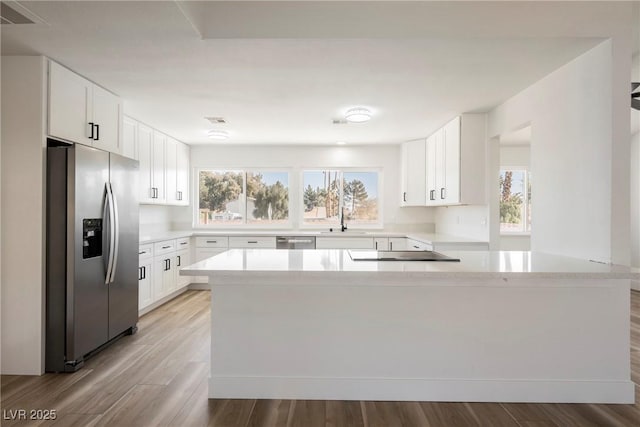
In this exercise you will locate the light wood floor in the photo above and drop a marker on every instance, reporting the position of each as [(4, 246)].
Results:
[(159, 377)]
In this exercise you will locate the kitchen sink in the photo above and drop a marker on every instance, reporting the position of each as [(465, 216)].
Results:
[(344, 232)]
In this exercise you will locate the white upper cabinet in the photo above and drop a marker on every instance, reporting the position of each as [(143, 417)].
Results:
[(69, 112), (144, 138), (82, 112), (164, 164), (171, 166), (106, 118), (455, 159), (158, 166), (182, 156), (129, 138), (176, 172), (413, 173)]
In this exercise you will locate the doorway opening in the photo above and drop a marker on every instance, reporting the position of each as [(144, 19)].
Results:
[(515, 190)]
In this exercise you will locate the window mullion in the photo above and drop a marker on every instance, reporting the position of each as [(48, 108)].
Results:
[(244, 193)]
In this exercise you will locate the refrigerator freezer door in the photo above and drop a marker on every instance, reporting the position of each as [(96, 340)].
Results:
[(87, 293), (123, 289)]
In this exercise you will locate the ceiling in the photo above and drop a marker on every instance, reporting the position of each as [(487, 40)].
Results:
[(280, 72)]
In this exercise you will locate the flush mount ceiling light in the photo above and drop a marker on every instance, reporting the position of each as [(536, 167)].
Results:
[(341, 143), (218, 134), (357, 115)]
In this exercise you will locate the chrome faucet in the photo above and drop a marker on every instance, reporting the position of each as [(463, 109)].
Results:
[(343, 226)]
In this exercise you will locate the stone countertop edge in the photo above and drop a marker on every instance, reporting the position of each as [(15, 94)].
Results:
[(329, 264), (411, 278)]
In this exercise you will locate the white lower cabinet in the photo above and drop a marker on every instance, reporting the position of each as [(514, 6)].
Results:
[(206, 247), (381, 243), (344, 243), (145, 276), (397, 243), (183, 258), (164, 278), (252, 242), (158, 272), (415, 245)]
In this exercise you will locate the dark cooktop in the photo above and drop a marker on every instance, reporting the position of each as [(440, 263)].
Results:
[(368, 255)]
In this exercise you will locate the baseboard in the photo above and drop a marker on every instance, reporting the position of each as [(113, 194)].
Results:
[(447, 390), (199, 287)]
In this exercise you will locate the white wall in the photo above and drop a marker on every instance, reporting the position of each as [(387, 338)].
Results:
[(465, 221), (515, 155), (581, 177), (23, 220), (297, 158), (156, 219), (635, 172)]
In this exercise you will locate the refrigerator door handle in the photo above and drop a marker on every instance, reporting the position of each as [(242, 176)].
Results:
[(108, 209), (116, 244)]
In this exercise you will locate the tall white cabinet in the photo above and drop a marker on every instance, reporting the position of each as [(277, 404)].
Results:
[(82, 112)]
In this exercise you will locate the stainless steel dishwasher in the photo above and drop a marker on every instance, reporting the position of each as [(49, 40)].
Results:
[(295, 242)]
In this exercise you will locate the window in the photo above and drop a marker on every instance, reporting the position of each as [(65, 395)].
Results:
[(515, 201), (327, 192), (243, 197)]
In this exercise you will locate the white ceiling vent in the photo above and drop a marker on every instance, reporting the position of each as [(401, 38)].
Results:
[(339, 122), (11, 12), (216, 120)]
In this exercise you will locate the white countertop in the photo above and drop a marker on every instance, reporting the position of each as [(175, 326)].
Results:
[(429, 238), (257, 263)]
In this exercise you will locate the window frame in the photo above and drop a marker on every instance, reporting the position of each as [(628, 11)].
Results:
[(244, 224), (378, 225), (525, 201)]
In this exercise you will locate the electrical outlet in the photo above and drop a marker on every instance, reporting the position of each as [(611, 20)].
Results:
[(483, 221)]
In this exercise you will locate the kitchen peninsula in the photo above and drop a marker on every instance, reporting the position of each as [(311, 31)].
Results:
[(496, 326)]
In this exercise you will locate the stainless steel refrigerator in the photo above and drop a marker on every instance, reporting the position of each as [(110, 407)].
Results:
[(92, 252)]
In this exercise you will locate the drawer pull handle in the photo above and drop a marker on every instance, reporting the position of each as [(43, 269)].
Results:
[(143, 252), (212, 241), (416, 246), (166, 247), (183, 243), (252, 241)]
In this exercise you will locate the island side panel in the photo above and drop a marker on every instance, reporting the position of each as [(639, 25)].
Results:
[(449, 340)]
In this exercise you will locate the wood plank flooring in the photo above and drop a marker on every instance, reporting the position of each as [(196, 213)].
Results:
[(158, 377)]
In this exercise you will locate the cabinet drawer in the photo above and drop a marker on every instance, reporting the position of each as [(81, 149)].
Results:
[(183, 243), (212, 242), (344, 243), (252, 242), (145, 251), (164, 247)]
